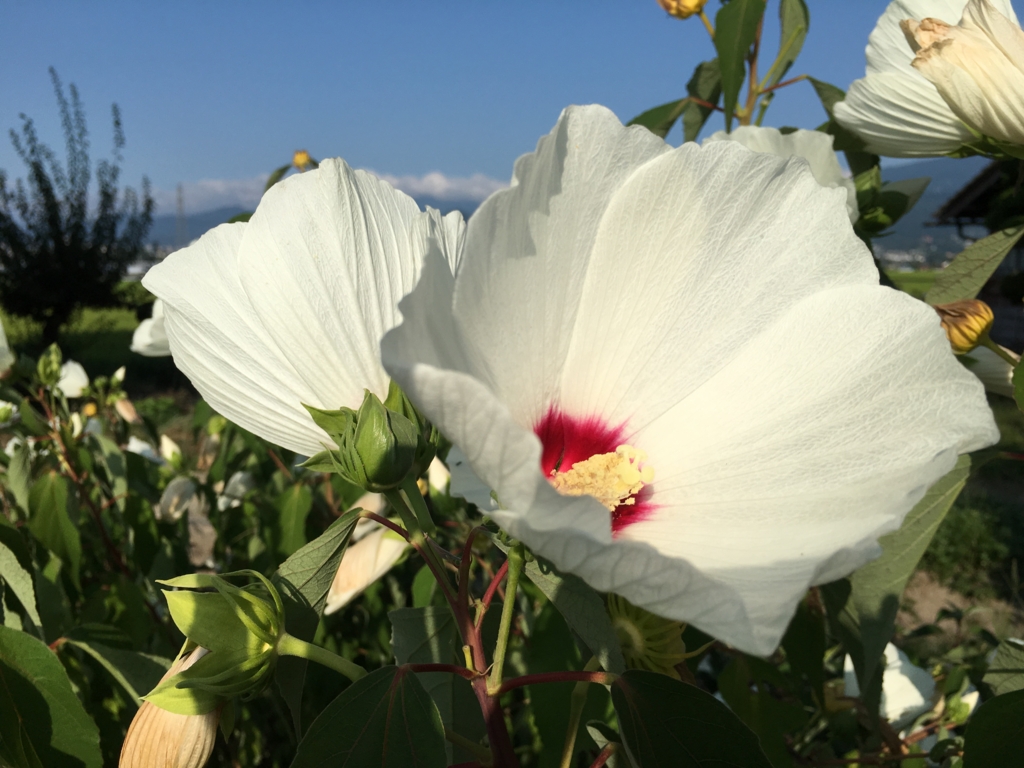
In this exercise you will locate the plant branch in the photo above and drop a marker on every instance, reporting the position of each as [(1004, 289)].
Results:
[(454, 669), (516, 560), (601, 678), (287, 645), (492, 588), (605, 755), (577, 701)]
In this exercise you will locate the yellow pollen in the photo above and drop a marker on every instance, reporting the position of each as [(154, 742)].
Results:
[(611, 478)]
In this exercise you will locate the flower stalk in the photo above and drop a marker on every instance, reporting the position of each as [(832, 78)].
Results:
[(577, 702), (516, 560), (288, 645)]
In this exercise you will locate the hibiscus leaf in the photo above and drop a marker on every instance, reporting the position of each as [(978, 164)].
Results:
[(972, 268), (794, 21), (53, 506), (659, 120), (667, 722), (136, 673), (1006, 672), (736, 28), (385, 719), (704, 86), (303, 581), (18, 579), (995, 732), (1018, 385), (42, 722), (870, 611)]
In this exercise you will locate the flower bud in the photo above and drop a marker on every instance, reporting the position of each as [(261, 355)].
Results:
[(161, 739), (303, 161), (682, 9), (376, 447), (966, 323), (48, 368), (648, 641), (240, 628), (428, 438), (126, 410), (73, 380)]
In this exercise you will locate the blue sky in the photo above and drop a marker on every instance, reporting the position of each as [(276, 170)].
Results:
[(222, 92)]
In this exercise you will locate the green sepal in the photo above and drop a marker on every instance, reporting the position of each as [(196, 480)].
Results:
[(321, 462), (334, 423), (428, 437)]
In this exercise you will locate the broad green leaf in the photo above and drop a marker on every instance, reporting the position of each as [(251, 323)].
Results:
[(304, 580), (19, 580), (736, 27), (794, 21), (19, 475), (53, 519), (995, 733), (870, 612), (665, 722), (293, 507), (1006, 672), (385, 719), (828, 94), (42, 722), (659, 120), (115, 466), (583, 610), (704, 85), (748, 697), (972, 268), (137, 673), (805, 646), (1018, 385), (31, 421)]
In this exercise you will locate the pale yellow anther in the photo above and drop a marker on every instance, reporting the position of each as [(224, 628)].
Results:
[(611, 478)]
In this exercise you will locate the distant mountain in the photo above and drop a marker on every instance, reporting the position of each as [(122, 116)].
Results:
[(936, 244)]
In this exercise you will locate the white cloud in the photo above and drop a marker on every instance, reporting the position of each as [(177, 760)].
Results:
[(208, 194)]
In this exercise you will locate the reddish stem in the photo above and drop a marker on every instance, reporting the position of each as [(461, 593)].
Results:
[(438, 577), (279, 463), (602, 678), (464, 564), (452, 668), (605, 756), (489, 594), (784, 83)]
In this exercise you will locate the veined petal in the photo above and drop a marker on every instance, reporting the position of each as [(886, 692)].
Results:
[(813, 146), (150, 338), (888, 49), (365, 561), (998, 26)]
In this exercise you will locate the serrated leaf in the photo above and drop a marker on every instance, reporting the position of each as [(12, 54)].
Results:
[(736, 25), (971, 269), (53, 519), (385, 719), (303, 581), (1006, 672), (870, 612), (42, 722), (19, 580), (665, 722), (995, 733)]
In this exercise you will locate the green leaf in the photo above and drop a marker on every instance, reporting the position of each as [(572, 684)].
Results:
[(19, 475), (303, 581), (870, 612), (828, 94), (665, 722), (659, 120), (293, 507), (705, 85), (995, 733), (53, 519), (794, 21), (385, 719), (42, 722), (276, 176), (31, 421), (805, 646), (1006, 672), (137, 673), (1018, 385), (583, 610), (736, 26), (972, 268), (19, 580), (113, 462)]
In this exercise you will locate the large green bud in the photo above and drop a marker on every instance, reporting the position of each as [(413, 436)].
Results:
[(48, 367), (376, 446), (240, 627), (428, 438)]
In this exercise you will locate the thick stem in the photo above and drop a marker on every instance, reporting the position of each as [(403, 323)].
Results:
[(413, 497), (516, 559), (287, 645), (492, 588), (577, 702), (497, 733)]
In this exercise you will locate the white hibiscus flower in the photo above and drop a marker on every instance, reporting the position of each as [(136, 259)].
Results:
[(895, 108), (150, 338), (289, 309), (73, 379), (696, 337), (813, 146)]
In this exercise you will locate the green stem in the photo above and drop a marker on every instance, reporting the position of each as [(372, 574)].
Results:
[(1007, 355), (287, 645), (577, 701), (516, 559), (413, 497)]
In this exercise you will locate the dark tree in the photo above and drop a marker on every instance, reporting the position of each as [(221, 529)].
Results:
[(54, 256)]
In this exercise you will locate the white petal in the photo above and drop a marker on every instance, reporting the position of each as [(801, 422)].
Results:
[(219, 342), (1003, 31), (813, 146), (995, 373), (544, 224), (888, 49), (364, 562), (73, 379), (150, 338), (7, 357)]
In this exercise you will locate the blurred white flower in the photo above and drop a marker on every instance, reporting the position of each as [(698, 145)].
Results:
[(813, 146), (143, 448), (239, 484), (894, 108), (374, 551), (438, 475), (73, 379), (175, 500), (977, 67), (603, 335), (150, 338), (169, 449), (7, 357), (118, 376), (907, 690), (289, 309), (995, 373)]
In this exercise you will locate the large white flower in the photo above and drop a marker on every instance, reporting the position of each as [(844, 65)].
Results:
[(977, 67), (150, 338), (712, 309), (907, 690), (73, 379), (894, 108), (813, 146), (290, 308)]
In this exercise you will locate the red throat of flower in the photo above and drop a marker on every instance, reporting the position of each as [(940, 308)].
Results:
[(579, 444)]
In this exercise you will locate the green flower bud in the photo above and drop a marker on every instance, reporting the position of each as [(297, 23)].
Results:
[(48, 367), (376, 447), (428, 437), (240, 627)]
